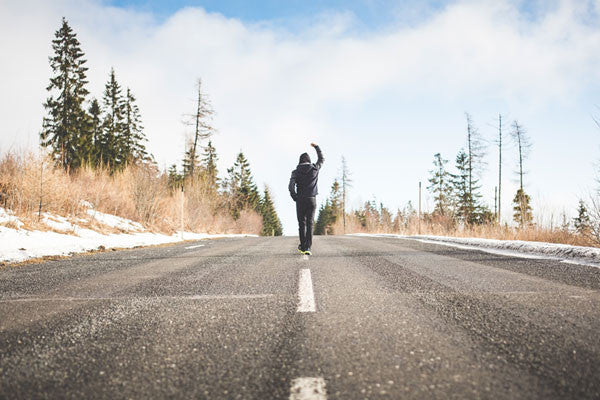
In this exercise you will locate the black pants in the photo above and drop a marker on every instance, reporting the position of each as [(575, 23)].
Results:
[(305, 210)]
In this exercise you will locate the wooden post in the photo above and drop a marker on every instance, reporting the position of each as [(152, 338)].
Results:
[(182, 210), (496, 204), (419, 208)]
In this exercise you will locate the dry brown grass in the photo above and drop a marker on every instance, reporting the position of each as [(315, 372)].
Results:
[(139, 193), (446, 227)]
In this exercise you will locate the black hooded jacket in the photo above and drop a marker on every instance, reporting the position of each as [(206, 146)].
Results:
[(303, 182)]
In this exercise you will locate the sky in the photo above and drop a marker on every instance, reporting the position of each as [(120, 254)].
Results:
[(384, 83)]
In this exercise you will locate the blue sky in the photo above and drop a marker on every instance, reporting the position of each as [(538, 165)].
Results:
[(383, 83), (371, 13)]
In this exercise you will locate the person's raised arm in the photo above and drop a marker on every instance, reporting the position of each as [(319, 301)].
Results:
[(320, 158), (292, 186)]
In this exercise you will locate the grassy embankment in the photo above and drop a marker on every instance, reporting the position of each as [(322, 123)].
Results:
[(139, 193)]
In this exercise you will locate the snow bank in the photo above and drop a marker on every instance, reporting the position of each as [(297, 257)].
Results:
[(513, 248), (7, 217), (18, 245), (115, 222)]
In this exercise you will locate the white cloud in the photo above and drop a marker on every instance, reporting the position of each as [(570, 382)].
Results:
[(274, 90)]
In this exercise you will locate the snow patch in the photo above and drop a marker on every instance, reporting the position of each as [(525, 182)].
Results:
[(8, 217), (58, 223), (512, 248), (18, 245), (113, 221)]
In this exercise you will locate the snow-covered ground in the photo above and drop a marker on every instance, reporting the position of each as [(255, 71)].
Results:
[(513, 248), (17, 244)]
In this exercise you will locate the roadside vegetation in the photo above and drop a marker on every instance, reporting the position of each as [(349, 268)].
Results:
[(94, 151), (458, 208)]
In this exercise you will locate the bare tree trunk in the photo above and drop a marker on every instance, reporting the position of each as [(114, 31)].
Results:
[(197, 130)]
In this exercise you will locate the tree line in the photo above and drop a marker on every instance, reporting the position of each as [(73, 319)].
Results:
[(83, 132), (456, 194)]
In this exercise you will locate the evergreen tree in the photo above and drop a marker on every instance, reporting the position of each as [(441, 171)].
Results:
[(582, 221), (203, 129), (522, 213), (324, 219), (468, 208), (95, 132), (113, 123), (475, 153), (465, 206), (271, 221), (66, 119), (440, 186), (132, 147), (522, 209), (191, 163), (337, 199), (330, 211), (209, 163), (242, 189), (175, 178)]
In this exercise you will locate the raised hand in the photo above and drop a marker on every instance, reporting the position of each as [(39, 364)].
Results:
[(313, 144)]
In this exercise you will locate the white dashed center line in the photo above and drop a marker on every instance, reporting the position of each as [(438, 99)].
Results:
[(308, 389), (306, 296), (193, 247)]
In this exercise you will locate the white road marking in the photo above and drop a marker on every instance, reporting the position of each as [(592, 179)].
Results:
[(305, 257), (194, 247), (196, 297), (306, 296), (308, 389)]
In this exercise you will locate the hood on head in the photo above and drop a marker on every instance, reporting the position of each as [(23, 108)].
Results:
[(304, 158)]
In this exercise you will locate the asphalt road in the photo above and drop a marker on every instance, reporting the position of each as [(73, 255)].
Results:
[(243, 319)]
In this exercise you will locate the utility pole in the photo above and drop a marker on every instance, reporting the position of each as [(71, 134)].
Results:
[(419, 216), (499, 166)]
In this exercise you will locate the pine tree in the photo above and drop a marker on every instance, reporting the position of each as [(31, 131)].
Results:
[(475, 153), (95, 132), (440, 186), (191, 162), (209, 163), (66, 119), (113, 123), (324, 219), (522, 209), (336, 200), (175, 178), (132, 147), (465, 206), (330, 211), (582, 221), (271, 221), (203, 129), (242, 189)]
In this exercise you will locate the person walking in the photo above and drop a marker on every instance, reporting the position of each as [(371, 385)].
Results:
[(303, 189)]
